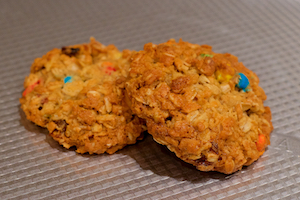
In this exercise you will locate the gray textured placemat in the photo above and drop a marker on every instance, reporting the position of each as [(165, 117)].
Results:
[(265, 35)]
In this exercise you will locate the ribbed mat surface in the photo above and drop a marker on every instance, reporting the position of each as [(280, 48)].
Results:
[(264, 34)]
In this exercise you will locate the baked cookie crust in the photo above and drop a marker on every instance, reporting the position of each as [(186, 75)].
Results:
[(77, 93), (206, 107)]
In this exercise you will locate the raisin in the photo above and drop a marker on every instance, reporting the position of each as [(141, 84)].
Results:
[(215, 148), (45, 100), (203, 161), (91, 138), (69, 51), (132, 117), (169, 118), (61, 125), (249, 112), (40, 108)]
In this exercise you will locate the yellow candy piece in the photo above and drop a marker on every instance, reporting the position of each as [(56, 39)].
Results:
[(228, 77), (222, 77), (118, 55)]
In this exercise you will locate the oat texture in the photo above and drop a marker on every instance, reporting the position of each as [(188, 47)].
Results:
[(193, 104), (76, 92)]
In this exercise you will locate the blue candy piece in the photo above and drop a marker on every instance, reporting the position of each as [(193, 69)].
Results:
[(68, 79), (243, 81)]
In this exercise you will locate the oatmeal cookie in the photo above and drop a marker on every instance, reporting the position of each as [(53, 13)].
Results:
[(77, 93), (205, 107)]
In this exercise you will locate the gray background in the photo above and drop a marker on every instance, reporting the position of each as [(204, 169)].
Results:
[(264, 34)]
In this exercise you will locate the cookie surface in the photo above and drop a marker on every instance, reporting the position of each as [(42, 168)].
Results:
[(205, 107), (77, 93)]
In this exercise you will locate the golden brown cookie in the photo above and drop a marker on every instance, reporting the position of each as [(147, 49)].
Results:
[(204, 106), (77, 93)]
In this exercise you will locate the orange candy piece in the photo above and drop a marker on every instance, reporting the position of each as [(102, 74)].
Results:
[(30, 88), (260, 144), (107, 64)]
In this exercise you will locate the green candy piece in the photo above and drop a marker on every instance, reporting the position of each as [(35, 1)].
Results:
[(206, 55)]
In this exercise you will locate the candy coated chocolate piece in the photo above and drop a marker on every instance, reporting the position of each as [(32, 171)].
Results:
[(243, 81), (68, 79)]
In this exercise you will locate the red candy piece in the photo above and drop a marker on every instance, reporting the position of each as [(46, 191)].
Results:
[(260, 144), (109, 67), (109, 70), (30, 88)]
